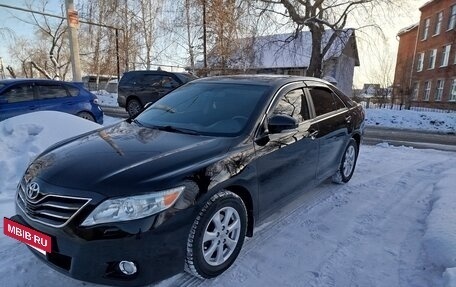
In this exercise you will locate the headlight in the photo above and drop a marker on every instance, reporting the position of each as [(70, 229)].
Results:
[(133, 207)]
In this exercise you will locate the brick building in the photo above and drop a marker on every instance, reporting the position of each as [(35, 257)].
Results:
[(425, 73)]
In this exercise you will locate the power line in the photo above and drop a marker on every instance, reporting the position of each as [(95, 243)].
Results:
[(57, 16)]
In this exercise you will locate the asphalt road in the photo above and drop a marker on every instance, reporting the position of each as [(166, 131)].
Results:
[(416, 139), (374, 135)]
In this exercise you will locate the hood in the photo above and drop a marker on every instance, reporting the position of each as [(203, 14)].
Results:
[(125, 159)]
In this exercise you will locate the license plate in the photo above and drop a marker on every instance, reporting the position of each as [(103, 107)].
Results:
[(33, 238)]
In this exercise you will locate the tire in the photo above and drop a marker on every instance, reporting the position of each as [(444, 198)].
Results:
[(87, 116), (134, 107), (222, 243), (347, 163)]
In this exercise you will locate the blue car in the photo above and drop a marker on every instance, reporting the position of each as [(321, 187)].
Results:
[(20, 96)]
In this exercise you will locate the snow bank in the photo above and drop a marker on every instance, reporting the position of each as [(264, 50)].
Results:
[(449, 277), (25, 136), (405, 119), (440, 238), (106, 99)]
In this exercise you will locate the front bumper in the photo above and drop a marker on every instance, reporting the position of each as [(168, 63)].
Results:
[(93, 254)]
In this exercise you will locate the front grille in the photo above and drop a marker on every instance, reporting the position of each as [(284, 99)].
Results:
[(49, 209)]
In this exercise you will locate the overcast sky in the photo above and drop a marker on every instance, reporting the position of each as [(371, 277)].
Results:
[(372, 47)]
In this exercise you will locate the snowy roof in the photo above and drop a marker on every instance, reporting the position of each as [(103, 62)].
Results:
[(425, 4), (281, 51), (407, 29)]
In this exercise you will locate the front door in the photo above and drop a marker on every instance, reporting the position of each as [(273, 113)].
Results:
[(286, 162)]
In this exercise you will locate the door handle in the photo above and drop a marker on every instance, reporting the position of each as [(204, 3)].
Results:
[(348, 119), (313, 134)]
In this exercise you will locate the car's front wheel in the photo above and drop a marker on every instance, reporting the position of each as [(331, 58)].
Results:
[(347, 164), (217, 235)]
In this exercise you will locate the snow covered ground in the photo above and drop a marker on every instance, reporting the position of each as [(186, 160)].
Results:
[(106, 99), (391, 225), (415, 120)]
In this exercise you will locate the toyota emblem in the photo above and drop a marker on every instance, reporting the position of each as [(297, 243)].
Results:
[(33, 189)]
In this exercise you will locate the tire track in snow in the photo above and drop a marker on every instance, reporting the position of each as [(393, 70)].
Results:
[(378, 219)]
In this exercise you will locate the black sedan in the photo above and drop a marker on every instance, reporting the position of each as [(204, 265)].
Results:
[(181, 185)]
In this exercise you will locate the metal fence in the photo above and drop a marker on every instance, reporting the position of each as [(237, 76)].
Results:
[(371, 105)]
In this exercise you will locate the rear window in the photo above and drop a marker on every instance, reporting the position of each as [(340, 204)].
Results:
[(127, 78), (185, 78)]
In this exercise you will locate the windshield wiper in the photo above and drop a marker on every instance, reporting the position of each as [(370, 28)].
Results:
[(177, 130), (163, 108), (137, 122)]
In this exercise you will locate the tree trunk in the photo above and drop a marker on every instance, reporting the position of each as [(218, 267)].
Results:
[(316, 59)]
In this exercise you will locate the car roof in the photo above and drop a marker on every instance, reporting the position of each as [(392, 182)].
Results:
[(155, 72), (25, 80), (259, 79)]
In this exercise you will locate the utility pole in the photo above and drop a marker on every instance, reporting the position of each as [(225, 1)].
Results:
[(204, 37), (73, 23)]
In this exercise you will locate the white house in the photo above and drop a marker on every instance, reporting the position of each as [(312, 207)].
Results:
[(276, 54)]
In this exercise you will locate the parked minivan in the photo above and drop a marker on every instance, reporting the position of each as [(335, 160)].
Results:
[(137, 88)]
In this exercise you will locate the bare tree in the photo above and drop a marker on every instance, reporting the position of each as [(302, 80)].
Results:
[(382, 73), (318, 15), (49, 53)]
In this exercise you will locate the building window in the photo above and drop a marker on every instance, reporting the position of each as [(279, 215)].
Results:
[(415, 91), (427, 90), (439, 90), (452, 20), (445, 56), (419, 66), (432, 58), (438, 24), (427, 23), (453, 91)]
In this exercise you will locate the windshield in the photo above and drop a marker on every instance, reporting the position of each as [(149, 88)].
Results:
[(205, 108)]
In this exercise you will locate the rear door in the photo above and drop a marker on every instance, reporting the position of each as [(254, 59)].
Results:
[(287, 162), (148, 88), (333, 121), (55, 97), (16, 100)]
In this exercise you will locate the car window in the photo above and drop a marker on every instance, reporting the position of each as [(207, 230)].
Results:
[(128, 79), (73, 91), (325, 101), (19, 93), (169, 82), (51, 91), (185, 78), (293, 104), (150, 80)]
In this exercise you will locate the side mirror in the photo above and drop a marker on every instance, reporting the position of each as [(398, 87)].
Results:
[(279, 123)]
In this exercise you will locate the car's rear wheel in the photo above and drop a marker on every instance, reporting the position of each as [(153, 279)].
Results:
[(87, 116), (216, 236), (347, 164), (134, 107)]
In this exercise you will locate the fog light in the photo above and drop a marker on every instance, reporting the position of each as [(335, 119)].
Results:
[(127, 267)]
